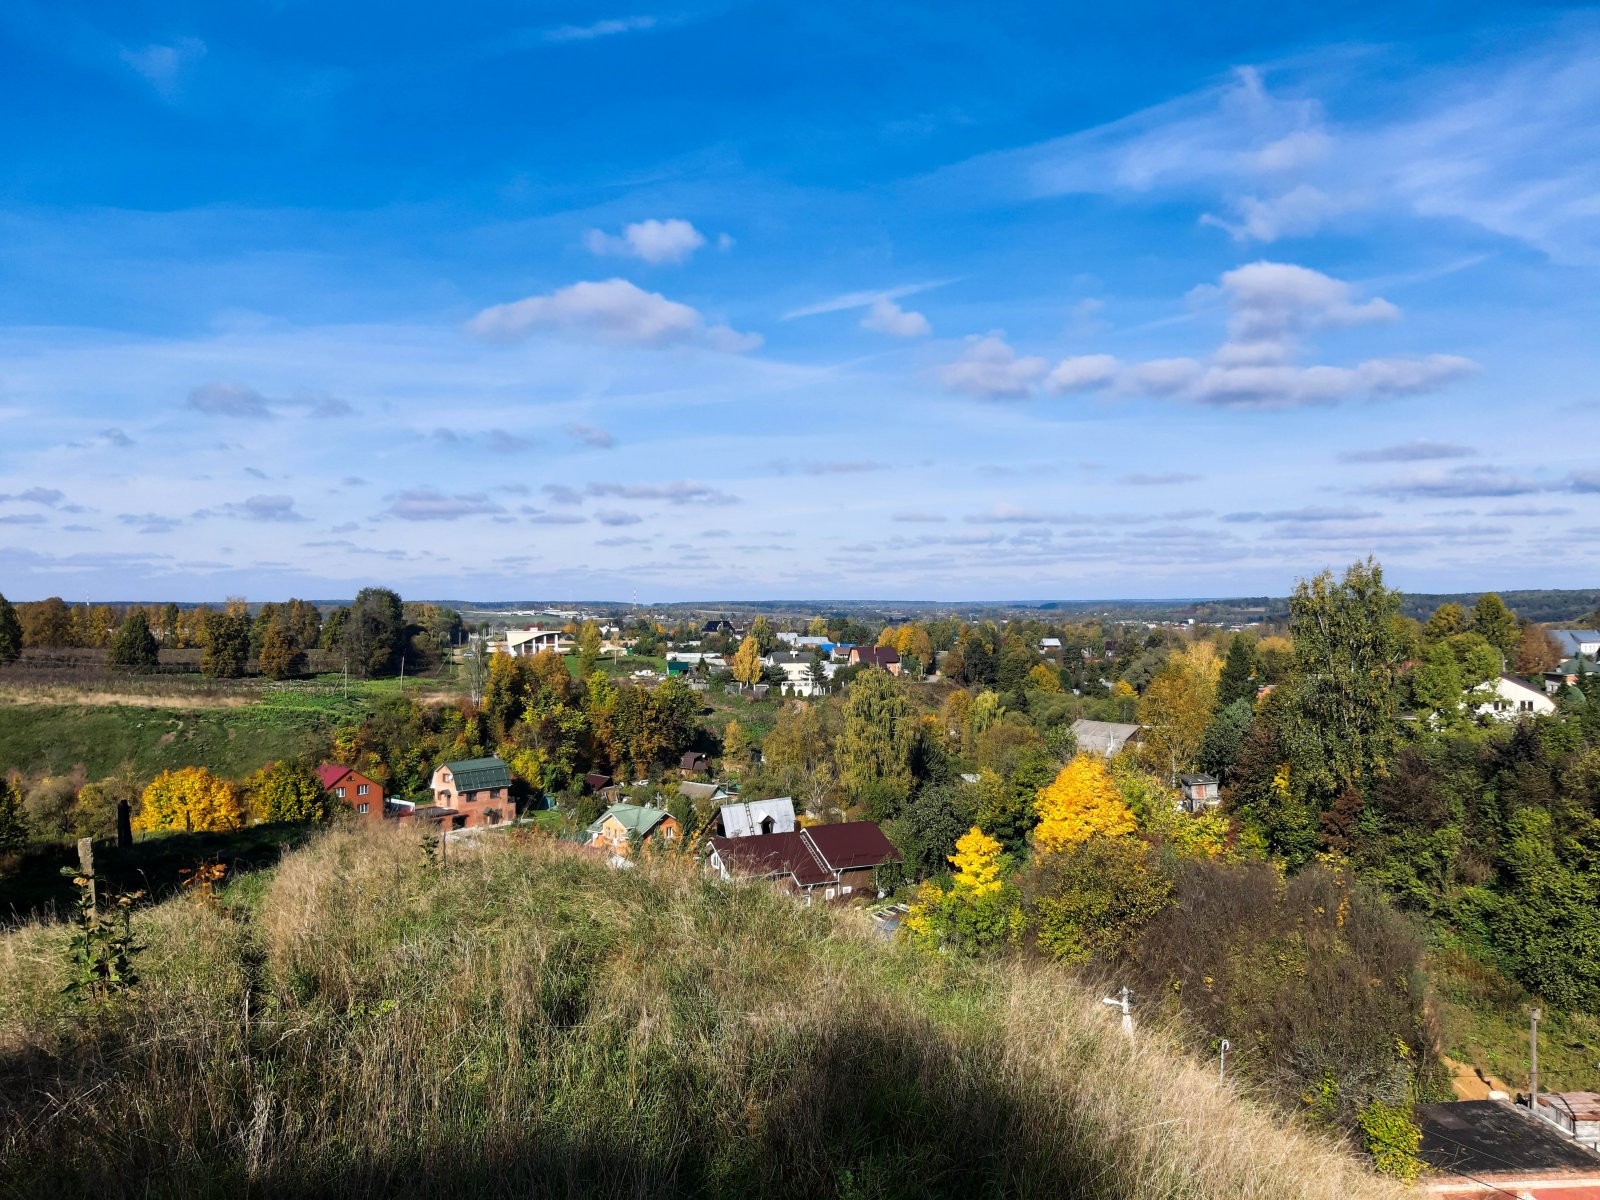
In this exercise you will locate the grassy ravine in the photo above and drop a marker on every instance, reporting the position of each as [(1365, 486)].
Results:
[(528, 1023)]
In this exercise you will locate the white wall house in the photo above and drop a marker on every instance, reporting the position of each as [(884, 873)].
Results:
[(1508, 698), (796, 668)]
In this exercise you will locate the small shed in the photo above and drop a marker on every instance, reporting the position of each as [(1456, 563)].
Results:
[(1200, 791)]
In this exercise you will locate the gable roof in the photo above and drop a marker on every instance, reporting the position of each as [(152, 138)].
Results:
[(329, 774), (1572, 641), (635, 818), (1103, 737), (851, 845), (743, 819), (475, 774), (878, 656), (771, 854), (691, 790)]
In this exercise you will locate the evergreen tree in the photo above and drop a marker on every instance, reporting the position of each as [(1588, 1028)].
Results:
[(134, 646), (372, 632), (10, 633), (1239, 672)]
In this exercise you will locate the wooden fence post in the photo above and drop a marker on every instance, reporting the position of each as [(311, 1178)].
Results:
[(124, 825)]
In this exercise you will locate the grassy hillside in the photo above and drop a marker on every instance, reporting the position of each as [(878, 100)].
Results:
[(528, 1023)]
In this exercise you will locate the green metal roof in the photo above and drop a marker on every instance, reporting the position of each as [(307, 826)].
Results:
[(635, 818), (475, 774)]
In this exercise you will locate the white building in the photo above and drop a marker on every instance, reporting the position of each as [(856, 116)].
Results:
[(521, 643), (752, 818), (1508, 698), (796, 668)]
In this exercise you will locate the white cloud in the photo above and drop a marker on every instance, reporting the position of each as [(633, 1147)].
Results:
[(223, 399), (592, 436), (849, 300), (1082, 373), (1273, 304), (991, 370), (885, 316), (427, 504), (658, 242), (611, 310), (599, 29), (163, 65), (1301, 210)]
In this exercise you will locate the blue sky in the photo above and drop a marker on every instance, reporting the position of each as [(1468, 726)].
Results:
[(514, 300)]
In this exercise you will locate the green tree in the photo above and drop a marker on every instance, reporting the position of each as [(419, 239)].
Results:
[(10, 633), (1447, 621), (372, 631), (134, 646), (1436, 681), (761, 630), (930, 826), (287, 791), (225, 645), (879, 731), (588, 649), (1239, 672), (13, 825), (1224, 739), (1497, 624), (1093, 900), (1346, 662)]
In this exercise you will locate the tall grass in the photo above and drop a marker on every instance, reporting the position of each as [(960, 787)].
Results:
[(526, 1022)]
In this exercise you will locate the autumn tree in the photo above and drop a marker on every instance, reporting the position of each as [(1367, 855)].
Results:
[(287, 791), (1496, 624), (281, 656), (1041, 678), (1082, 801), (979, 908), (10, 633), (1094, 899), (1536, 651), (135, 647), (1177, 707), (225, 645), (736, 746), (193, 799), (48, 623), (746, 664)]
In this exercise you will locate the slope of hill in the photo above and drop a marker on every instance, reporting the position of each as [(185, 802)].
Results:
[(522, 1021)]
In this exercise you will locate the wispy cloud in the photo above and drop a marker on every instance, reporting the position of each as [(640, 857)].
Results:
[(610, 27), (1418, 451)]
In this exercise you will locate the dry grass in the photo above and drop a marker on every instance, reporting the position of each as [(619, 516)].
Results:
[(528, 1023), (59, 694)]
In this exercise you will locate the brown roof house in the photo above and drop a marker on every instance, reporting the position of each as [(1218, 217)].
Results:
[(885, 658), (833, 862)]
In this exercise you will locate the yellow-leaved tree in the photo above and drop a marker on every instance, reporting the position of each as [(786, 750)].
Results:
[(193, 799), (1082, 801), (1042, 679), (1176, 708), (979, 909), (746, 664)]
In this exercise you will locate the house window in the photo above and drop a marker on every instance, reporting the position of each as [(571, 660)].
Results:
[(339, 792), (361, 789), (362, 808)]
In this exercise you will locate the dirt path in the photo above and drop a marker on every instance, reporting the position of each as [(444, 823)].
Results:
[(1471, 1083)]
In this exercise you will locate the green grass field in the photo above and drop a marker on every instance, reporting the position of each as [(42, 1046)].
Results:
[(57, 735)]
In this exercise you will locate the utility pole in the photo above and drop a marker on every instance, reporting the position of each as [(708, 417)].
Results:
[(1533, 1059), (1123, 1000)]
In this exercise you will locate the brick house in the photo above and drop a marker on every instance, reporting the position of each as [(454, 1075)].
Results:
[(476, 790), (359, 793), (621, 824)]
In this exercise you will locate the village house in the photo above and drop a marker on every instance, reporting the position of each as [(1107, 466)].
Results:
[(474, 792), (357, 792), (1508, 698), (1567, 674), (1578, 643), (1477, 1149), (753, 818), (621, 825), (693, 763), (828, 862), (797, 668), (1105, 738), (885, 658)]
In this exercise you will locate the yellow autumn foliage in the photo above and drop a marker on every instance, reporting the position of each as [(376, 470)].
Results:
[(977, 863), (191, 799), (1081, 802)]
